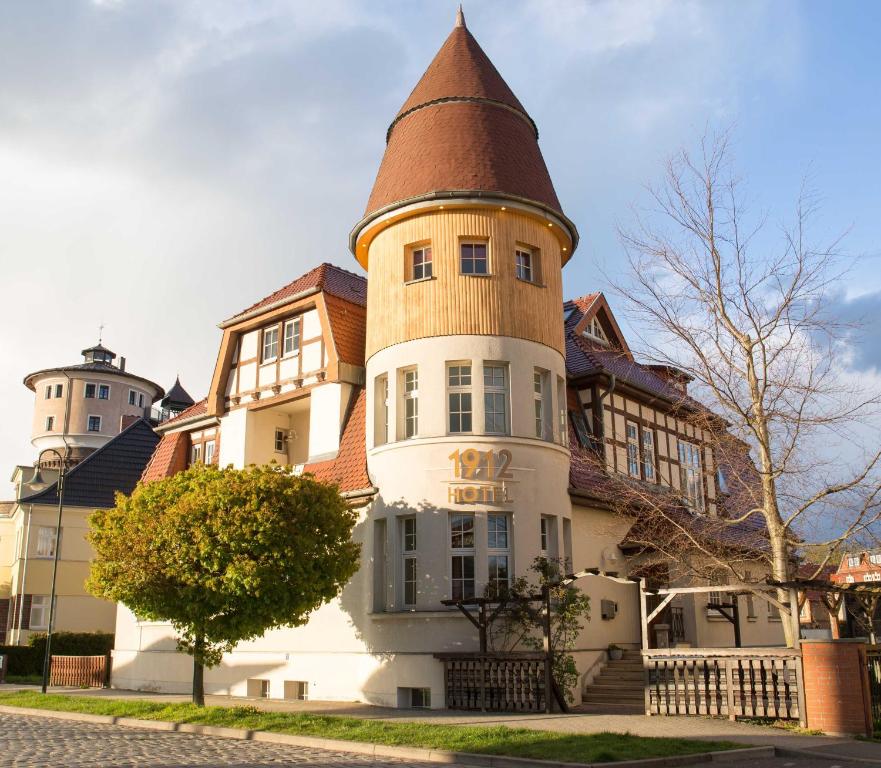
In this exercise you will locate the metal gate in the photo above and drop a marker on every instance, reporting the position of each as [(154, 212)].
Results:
[(873, 659)]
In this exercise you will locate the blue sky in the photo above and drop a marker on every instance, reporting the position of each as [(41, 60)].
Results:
[(167, 163)]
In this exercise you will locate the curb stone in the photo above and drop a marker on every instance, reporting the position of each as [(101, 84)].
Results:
[(790, 752), (403, 753)]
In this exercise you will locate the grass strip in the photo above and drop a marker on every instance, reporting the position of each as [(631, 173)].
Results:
[(492, 740)]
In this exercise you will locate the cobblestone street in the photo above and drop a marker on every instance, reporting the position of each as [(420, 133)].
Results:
[(35, 742)]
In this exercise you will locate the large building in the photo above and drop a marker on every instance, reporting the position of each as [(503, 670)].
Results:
[(460, 404), (95, 416)]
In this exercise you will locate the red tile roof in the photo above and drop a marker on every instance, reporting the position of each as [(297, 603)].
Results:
[(462, 130), (169, 458), (348, 325), (349, 468), (326, 277)]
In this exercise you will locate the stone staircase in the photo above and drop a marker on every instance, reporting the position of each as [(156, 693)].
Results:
[(619, 685)]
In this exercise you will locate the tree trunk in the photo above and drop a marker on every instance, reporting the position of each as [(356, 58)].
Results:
[(199, 672)]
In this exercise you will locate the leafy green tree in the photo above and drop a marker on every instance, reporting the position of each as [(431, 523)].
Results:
[(223, 555)]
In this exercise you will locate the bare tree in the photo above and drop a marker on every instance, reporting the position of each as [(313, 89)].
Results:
[(745, 315)]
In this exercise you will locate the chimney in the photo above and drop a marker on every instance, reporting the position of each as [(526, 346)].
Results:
[(121, 363)]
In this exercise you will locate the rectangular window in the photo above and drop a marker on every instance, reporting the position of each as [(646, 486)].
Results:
[(690, 475), (498, 576), (462, 558), (46, 541), (853, 561), (459, 397), (59, 390), (39, 618), (48, 391), (875, 558), (196, 454), (523, 264), (582, 430), (472, 259), (411, 402), (270, 344), (132, 397), (279, 441), (94, 423), (544, 536), (209, 452), (292, 336), (717, 598), (562, 424), (648, 455), (632, 449), (140, 400), (409, 581), (420, 263), (408, 570), (540, 397), (50, 423), (89, 391), (495, 399), (420, 698), (103, 391)]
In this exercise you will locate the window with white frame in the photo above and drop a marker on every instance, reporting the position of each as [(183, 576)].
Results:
[(291, 336), (462, 556), (196, 454), (89, 391), (50, 423), (103, 391), (722, 481), (420, 263), (410, 396), (875, 558), (648, 454), (408, 565), (279, 442), (46, 541), (140, 400), (544, 535), (59, 390), (209, 451), (459, 397), (594, 330), (498, 554), (495, 398), (132, 397), (270, 344), (39, 618), (525, 267), (853, 561), (632, 449), (380, 427), (541, 410), (562, 423), (473, 259), (48, 391), (717, 598), (94, 424), (690, 475)]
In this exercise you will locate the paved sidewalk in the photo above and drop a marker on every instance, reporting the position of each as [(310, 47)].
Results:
[(588, 721)]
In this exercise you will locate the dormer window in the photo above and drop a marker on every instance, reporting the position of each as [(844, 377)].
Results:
[(853, 561), (595, 331)]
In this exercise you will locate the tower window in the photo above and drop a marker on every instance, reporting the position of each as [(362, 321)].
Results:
[(459, 397), (497, 554), (50, 423), (48, 391), (541, 396), (473, 259), (89, 391), (380, 427), (103, 391), (410, 397), (408, 541), (59, 390), (527, 264), (495, 398), (94, 424), (420, 263), (462, 557)]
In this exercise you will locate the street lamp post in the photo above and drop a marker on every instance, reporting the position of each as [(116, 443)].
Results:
[(36, 480)]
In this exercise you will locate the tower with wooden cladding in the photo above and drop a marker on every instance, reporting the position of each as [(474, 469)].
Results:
[(464, 241)]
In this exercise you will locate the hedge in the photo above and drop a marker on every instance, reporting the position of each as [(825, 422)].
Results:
[(28, 659)]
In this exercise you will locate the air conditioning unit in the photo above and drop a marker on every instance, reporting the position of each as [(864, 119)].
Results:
[(608, 609)]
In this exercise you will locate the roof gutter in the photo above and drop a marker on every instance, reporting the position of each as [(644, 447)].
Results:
[(210, 421), (236, 319), (558, 216)]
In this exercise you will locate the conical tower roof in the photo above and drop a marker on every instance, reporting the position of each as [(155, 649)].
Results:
[(462, 132)]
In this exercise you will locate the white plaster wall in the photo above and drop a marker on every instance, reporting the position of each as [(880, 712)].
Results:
[(234, 445), (327, 408)]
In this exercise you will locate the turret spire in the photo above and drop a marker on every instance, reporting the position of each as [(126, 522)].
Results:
[(460, 17)]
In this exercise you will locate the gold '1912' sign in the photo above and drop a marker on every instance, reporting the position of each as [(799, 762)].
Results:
[(479, 476)]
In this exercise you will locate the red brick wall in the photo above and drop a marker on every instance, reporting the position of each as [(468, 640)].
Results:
[(837, 686)]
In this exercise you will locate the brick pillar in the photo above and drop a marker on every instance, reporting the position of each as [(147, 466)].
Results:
[(836, 682)]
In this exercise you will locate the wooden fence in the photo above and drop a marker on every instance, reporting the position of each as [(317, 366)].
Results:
[(743, 682), (496, 682), (80, 671)]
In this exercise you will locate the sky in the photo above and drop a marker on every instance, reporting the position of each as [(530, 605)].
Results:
[(165, 164)]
